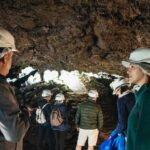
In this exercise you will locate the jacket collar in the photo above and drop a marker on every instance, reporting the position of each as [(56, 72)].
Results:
[(144, 86), (90, 100), (125, 93), (142, 89), (3, 78)]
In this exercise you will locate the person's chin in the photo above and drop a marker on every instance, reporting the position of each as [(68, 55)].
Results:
[(131, 81)]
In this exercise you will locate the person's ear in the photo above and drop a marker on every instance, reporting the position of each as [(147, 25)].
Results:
[(2, 60), (119, 91), (6, 57)]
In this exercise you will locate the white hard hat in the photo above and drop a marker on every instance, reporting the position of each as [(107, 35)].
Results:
[(7, 42), (117, 83), (60, 97), (141, 58), (46, 93), (138, 56), (93, 93)]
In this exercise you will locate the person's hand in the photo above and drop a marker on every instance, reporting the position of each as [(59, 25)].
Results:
[(77, 129), (26, 110), (119, 134), (126, 139), (30, 110)]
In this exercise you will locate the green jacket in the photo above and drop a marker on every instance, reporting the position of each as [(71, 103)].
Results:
[(89, 115), (138, 133)]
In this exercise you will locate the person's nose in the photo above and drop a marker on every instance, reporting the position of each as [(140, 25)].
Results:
[(128, 70)]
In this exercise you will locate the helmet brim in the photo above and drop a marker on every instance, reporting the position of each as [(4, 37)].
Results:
[(15, 50), (126, 64)]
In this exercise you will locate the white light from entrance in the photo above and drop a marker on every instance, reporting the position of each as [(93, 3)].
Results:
[(73, 81)]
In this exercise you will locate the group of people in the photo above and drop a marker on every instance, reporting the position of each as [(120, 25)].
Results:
[(88, 120), (49, 133), (133, 108), (133, 105)]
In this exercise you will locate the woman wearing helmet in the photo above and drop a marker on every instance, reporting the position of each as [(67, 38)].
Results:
[(138, 69), (125, 103)]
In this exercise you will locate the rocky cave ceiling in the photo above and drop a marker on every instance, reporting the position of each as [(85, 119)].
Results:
[(87, 35)]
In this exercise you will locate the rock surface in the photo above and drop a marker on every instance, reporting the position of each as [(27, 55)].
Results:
[(84, 35), (76, 34)]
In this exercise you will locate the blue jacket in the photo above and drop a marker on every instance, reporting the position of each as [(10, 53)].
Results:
[(124, 106)]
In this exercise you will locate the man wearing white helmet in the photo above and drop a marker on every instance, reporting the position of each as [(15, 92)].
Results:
[(59, 98), (14, 122), (138, 69), (46, 94), (45, 134), (60, 131), (89, 120)]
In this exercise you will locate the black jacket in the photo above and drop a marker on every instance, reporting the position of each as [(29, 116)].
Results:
[(14, 122)]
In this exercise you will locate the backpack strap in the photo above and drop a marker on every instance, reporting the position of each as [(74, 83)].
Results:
[(44, 105), (59, 113)]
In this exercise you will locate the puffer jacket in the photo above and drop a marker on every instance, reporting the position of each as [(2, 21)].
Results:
[(14, 122), (89, 115)]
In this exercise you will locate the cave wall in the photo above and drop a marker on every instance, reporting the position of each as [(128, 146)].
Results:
[(88, 35)]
